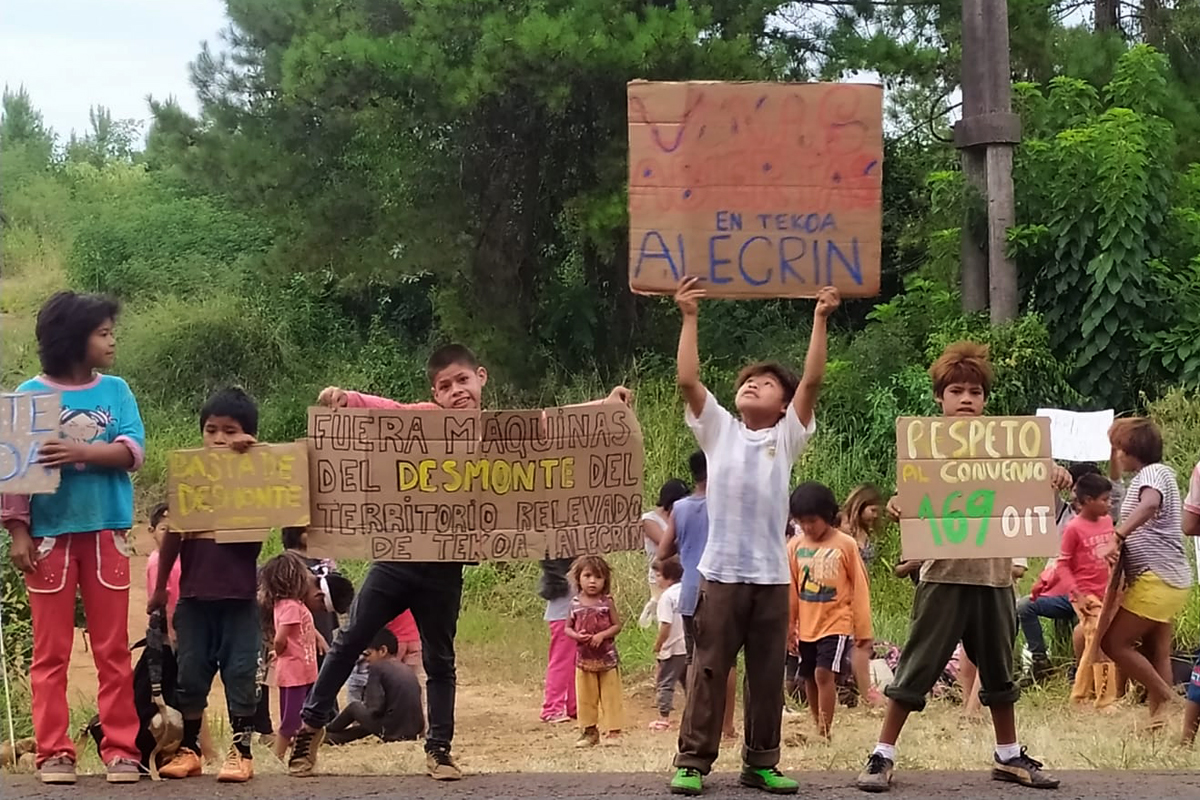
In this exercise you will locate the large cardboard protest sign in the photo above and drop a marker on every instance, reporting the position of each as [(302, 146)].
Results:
[(396, 485), (759, 189), (238, 496), (975, 487), (28, 420)]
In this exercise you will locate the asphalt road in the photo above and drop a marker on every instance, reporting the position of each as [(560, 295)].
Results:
[(1098, 785)]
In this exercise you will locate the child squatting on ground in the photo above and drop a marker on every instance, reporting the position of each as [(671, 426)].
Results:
[(743, 600), (593, 623), (830, 601), (961, 600), (217, 625), (670, 649), (76, 539), (391, 705)]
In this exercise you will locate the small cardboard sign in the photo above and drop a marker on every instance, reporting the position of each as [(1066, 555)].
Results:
[(238, 496), (975, 487), (759, 189), (1079, 435), (28, 420), (395, 485)]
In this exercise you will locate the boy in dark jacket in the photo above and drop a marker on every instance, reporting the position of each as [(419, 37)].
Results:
[(391, 706)]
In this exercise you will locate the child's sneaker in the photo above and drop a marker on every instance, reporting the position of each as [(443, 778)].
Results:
[(877, 775), (303, 761), (660, 724), (58, 770), (687, 781), (237, 768), (589, 738), (184, 764), (123, 770), (441, 766), (769, 779), (1023, 770)]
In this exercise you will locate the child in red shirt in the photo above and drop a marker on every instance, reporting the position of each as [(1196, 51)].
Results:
[(408, 640), (1079, 571), (1081, 568)]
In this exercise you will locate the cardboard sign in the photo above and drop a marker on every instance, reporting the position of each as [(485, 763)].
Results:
[(238, 496), (474, 486), (28, 420), (975, 487), (760, 189), (1079, 435)]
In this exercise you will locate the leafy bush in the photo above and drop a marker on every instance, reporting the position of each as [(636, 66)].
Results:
[(165, 245)]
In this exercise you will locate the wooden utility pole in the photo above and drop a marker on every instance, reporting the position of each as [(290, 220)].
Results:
[(986, 136)]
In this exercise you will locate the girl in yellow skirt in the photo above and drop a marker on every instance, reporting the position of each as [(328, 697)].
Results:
[(1149, 544)]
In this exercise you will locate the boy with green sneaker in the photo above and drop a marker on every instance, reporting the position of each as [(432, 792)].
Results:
[(745, 579)]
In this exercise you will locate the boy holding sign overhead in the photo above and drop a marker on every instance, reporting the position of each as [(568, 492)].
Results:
[(961, 599), (744, 571), (431, 590)]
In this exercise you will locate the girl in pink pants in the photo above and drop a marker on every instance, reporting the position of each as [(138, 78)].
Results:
[(76, 539), (559, 704)]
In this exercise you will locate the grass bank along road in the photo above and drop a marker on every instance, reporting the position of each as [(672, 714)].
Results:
[(1098, 785)]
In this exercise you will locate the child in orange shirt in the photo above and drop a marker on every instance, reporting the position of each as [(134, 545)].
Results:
[(830, 604)]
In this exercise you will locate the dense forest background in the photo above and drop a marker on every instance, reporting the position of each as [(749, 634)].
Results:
[(369, 178)]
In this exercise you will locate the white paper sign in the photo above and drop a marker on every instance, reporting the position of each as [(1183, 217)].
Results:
[(1079, 435)]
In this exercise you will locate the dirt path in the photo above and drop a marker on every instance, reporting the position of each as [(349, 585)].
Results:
[(826, 785)]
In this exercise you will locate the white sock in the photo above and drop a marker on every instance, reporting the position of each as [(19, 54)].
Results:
[(888, 751), (1007, 752)]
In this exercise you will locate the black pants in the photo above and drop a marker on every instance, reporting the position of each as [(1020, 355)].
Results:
[(354, 723), (433, 592)]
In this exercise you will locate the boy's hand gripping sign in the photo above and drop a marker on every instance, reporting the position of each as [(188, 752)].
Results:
[(975, 487), (759, 189), (464, 486)]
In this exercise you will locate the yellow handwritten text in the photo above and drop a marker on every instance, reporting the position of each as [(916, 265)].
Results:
[(977, 437), (486, 474), (218, 464), (218, 497), (1000, 470)]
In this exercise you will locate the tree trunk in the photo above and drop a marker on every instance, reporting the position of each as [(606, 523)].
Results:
[(1106, 15)]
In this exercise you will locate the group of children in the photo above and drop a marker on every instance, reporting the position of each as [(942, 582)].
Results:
[(77, 541), (728, 580)]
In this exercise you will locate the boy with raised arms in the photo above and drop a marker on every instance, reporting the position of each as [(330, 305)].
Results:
[(743, 601)]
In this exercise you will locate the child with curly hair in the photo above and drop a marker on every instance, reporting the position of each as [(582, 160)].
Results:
[(288, 592), (593, 623)]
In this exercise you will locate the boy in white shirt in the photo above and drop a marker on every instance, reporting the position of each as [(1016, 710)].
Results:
[(745, 579), (670, 647)]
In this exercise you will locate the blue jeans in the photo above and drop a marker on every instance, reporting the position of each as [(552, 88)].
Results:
[(1030, 612)]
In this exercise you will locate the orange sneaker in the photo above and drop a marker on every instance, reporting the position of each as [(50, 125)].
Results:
[(184, 764), (237, 768)]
